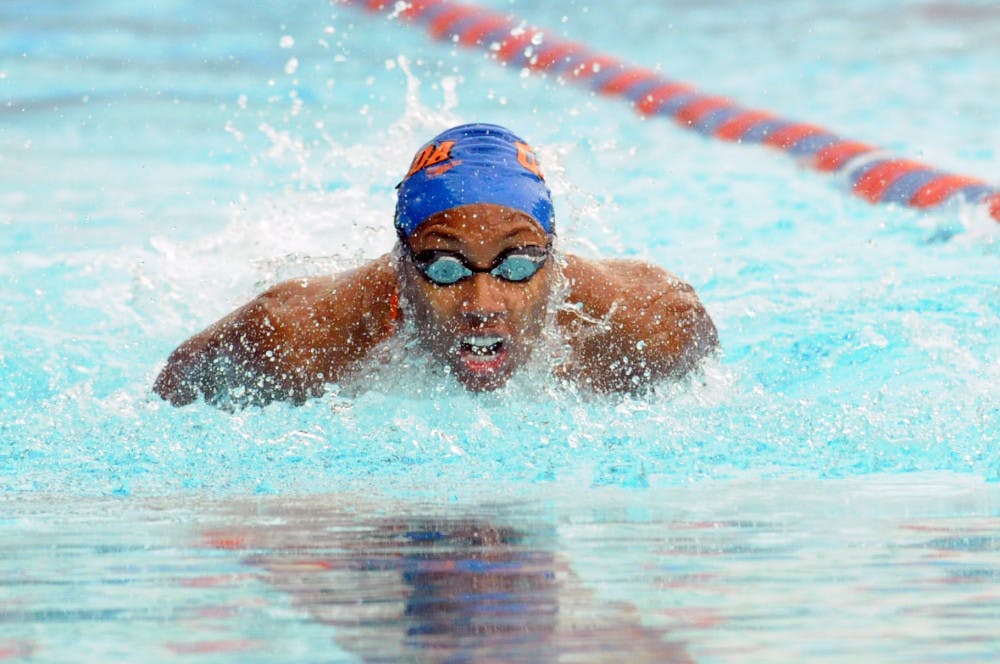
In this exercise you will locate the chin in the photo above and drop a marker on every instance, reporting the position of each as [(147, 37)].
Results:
[(478, 375), (477, 384)]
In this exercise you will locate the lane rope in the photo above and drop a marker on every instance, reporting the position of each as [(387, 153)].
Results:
[(872, 173)]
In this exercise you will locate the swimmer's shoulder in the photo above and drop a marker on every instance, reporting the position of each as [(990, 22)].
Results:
[(597, 283), (325, 305), (631, 323)]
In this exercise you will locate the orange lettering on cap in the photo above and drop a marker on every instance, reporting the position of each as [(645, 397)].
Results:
[(526, 157), (420, 160), (430, 155)]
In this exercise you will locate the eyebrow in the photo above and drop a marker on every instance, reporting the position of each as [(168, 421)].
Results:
[(443, 235), (449, 236), (515, 233)]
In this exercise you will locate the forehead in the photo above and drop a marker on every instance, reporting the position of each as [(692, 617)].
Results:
[(479, 223)]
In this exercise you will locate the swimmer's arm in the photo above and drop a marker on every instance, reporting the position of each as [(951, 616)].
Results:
[(286, 343), (631, 324)]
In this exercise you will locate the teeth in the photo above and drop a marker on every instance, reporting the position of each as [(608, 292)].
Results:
[(483, 345), (483, 342)]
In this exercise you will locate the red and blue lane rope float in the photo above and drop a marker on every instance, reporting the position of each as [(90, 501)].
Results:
[(872, 175)]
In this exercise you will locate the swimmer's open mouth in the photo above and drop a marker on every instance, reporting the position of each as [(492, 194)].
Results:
[(483, 360), (481, 345)]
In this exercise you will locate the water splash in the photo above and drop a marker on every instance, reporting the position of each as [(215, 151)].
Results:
[(824, 373)]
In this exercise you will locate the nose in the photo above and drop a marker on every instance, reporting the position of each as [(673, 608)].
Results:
[(483, 300)]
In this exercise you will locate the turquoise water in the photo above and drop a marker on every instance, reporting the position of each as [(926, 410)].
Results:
[(834, 472)]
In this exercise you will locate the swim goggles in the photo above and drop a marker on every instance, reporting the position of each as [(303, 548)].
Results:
[(444, 268)]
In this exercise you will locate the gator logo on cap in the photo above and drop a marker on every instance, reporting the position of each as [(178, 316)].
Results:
[(433, 154)]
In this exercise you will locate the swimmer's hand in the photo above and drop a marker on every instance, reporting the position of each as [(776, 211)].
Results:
[(247, 358)]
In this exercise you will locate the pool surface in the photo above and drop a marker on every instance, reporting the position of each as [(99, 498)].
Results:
[(828, 489)]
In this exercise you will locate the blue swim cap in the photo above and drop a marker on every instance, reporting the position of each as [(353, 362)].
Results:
[(473, 163)]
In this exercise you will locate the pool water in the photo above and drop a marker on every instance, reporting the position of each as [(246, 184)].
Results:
[(826, 489)]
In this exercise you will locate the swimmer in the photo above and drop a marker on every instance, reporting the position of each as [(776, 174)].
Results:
[(475, 274)]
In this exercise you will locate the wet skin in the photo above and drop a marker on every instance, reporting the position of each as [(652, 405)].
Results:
[(482, 327), (627, 323)]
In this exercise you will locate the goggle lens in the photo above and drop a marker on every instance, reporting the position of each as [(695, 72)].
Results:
[(517, 267), (446, 268)]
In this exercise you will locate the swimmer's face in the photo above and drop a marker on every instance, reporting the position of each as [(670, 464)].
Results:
[(482, 327)]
